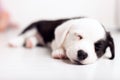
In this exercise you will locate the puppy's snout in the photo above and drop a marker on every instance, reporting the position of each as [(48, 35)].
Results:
[(81, 55)]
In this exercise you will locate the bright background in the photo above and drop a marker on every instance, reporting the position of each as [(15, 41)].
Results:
[(26, 11), (37, 64)]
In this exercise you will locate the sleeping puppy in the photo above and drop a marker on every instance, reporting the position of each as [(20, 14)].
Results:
[(81, 40)]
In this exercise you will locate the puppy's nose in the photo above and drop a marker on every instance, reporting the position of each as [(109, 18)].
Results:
[(82, 55)]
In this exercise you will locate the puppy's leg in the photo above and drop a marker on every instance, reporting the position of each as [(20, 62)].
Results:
[(31, 42), (16, 42), (57, 53), (36, 40), (19, 41)]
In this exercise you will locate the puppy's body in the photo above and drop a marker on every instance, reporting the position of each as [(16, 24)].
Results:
[(82, 40), (45, 28)]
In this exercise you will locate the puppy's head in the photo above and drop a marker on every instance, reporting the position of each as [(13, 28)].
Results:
[(84, 40)]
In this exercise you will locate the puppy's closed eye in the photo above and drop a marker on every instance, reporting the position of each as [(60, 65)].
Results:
[(78, 36)]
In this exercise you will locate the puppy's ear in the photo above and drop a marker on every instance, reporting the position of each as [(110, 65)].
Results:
[(60, 34), (111, 45)]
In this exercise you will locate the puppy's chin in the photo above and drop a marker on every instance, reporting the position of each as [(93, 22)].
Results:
[(87, 62), (76, 62), (83, 62)]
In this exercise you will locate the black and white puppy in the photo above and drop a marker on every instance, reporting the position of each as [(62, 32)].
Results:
[(81, 40)]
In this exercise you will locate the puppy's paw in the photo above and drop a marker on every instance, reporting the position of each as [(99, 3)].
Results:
[(31, 42), (58, 54), (17, 42)]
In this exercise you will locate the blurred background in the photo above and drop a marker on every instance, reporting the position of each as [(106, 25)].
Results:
[(23, 12)]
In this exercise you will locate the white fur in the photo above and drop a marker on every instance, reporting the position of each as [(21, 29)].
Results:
[(91, 31), (58, 53), (16, 42), (60, 33), (20, 40)]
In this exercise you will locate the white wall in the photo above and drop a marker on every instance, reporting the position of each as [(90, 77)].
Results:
[(118, 13), (26, 11)]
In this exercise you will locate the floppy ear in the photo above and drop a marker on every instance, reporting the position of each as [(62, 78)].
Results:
[(60, 34), (111, 45)]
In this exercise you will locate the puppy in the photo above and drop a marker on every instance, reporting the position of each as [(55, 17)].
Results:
[(81, 40)]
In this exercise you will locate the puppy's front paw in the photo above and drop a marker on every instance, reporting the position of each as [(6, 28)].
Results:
[(58, 54)]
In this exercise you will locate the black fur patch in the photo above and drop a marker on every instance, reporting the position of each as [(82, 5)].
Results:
[(101, 46), (45, 28)]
